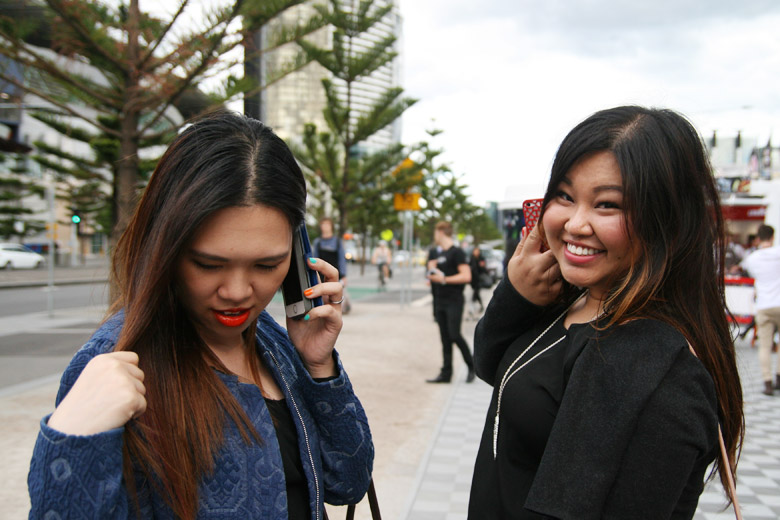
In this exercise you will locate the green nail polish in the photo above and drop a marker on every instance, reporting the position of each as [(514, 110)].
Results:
[(306, 318), (313, 260)]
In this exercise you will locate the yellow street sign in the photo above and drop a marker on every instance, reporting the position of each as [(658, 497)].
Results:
[(406, 201)]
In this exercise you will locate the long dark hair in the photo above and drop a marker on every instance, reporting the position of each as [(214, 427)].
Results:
[(224, 160), (674, 221)]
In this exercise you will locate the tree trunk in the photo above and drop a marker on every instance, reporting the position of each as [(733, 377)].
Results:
[(253, 68), (127, 183), (127, 170)]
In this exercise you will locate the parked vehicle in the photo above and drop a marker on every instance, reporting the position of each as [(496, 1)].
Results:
[(401, 257), (352, 251), (494, 262), (17, 256)]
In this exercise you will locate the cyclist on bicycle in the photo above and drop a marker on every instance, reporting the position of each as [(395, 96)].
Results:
[(381, 258)]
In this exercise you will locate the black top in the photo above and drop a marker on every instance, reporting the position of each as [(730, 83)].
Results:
[(295, 480), (529, 404), (477, 265), (447, 262), (617, 423)]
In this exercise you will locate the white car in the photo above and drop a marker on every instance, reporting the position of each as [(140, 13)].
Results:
[(401, 257), (17, 256), (494, 263)]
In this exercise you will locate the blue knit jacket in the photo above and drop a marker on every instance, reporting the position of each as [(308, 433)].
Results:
[(81, 476)]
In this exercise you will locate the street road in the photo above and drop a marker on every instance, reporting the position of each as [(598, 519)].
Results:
[(14, 302), (35, 346)]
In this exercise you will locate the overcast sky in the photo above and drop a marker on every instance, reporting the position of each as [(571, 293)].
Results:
[(506, 79)]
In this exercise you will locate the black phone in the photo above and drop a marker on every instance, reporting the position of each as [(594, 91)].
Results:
[(299, 277)]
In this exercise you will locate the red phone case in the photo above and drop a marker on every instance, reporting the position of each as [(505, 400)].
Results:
[(532, 208)]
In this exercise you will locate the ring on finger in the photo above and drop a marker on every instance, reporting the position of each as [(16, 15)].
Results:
[(338, 302)]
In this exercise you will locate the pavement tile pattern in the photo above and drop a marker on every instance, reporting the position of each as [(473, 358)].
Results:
[(445, 476)]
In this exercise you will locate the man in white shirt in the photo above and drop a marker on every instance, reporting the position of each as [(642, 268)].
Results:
[(763, 265)]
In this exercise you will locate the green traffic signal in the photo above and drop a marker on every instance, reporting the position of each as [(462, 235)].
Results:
[(75, 219)]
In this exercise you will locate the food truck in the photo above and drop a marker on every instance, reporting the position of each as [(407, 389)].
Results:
[(743, 214)]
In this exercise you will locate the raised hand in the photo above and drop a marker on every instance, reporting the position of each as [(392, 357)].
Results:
[(108, 393), (315, 336), (534, 273)]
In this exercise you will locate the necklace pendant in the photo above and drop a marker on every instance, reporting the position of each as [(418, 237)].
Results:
[(495, 437)]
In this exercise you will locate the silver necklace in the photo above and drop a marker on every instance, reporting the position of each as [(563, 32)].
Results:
[(509, 372)]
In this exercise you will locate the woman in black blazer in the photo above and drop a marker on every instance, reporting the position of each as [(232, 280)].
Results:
[(599, 409)]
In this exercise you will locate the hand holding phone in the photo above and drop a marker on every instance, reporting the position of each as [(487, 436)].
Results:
[(299, 277)]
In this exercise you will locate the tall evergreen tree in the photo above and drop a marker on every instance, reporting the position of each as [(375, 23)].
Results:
[(87, 181), (358, 183), (14, 187), (445, 198), (120, 69)]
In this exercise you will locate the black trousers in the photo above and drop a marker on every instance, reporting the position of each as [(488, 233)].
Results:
[(449, 315), (475, 296)]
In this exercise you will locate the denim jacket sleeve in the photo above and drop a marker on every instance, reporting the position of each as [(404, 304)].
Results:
[(333, 420), (346, 448), (73, 476)]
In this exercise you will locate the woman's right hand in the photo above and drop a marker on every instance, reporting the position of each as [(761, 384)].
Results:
[(108, 393), (534, 274)]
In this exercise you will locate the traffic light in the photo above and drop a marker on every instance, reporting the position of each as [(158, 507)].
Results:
[(75, 218)]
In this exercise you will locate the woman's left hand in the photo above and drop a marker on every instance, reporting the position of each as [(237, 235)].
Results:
[(315, 335)]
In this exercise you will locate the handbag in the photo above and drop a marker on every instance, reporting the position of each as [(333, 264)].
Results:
[(732, 488), (485, 281), (372, 503)]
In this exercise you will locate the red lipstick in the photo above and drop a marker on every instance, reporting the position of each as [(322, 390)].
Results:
[(232, 317)]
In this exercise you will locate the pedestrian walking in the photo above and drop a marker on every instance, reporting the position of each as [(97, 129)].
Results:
[(449, 273), (478, 269), (190, 401), (763, 265), (330, 248), (599, 407)]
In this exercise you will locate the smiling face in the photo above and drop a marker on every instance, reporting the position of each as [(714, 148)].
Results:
[(231, 269), (585, 224)]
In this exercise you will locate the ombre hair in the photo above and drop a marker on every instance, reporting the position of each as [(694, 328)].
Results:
[(676, 230), (222, 161)]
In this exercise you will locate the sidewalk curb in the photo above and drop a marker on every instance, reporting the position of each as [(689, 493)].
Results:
[(31, 283), (423, 466)]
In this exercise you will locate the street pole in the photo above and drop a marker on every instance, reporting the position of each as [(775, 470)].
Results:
[(410, 267), (52, 226), (74, 261), (406, 270)]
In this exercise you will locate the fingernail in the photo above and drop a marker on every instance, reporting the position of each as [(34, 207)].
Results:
[(308, 292), (313, 260), (306, 318)]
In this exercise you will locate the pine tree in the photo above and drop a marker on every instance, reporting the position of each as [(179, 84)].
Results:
[(14, 187), (359, 182), (445, 198), (120, 70)]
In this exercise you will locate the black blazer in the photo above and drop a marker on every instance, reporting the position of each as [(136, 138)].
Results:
[(637, 425)]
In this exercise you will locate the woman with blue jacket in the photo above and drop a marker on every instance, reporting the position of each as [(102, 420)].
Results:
[(190, 401)]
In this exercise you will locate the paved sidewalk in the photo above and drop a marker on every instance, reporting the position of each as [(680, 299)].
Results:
[(445, 478), (92, 271), (387, 351), (426, 436)]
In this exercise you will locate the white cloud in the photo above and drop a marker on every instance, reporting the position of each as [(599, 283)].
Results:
[(507, 80)]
